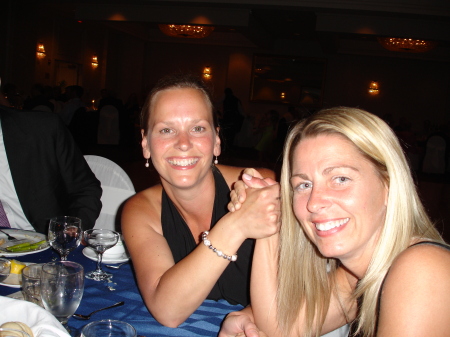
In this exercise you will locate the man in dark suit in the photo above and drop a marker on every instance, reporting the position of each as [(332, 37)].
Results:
[(49, 173)]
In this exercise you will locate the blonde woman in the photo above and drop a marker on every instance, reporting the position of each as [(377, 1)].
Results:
[(356, 245)]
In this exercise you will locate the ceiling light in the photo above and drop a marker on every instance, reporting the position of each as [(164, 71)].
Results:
[(186, 31), (406, 45)]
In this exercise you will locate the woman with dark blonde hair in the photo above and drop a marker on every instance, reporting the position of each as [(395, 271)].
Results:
[(355, 246)]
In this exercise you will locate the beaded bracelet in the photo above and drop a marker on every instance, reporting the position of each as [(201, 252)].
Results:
[(219, 253)]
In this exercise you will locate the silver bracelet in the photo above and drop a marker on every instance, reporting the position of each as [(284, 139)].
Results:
[(219, 253)]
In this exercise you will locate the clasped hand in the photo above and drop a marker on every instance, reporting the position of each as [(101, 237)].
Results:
[(257, 203)]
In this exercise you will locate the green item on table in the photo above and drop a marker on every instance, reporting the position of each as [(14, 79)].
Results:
[(24, 246)]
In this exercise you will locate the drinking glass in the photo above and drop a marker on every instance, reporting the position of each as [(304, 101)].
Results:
[(64, 234), (62, 285), (5, 269), (108, 327), (100, 240), (31, 283)]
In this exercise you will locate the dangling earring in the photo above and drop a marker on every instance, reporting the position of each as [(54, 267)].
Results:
[(216, 161), (146, 163)]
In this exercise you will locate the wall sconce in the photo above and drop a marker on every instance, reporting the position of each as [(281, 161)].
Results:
[(94, 61), (283, 95), (207, 73), (40, 52), (373, 88)]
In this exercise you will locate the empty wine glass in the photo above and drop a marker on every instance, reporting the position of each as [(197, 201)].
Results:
[(62, 286), (64, 234), (100, 240)]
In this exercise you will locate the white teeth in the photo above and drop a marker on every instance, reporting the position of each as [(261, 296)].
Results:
[(332, 224), (183, 162)]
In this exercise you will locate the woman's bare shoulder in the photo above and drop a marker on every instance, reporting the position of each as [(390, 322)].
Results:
[(144, 206), (149, 195), (425, 255), (416, 292), (418, 263)]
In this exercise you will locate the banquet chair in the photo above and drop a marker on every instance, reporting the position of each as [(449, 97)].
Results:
[(42, 108), (117, 188)]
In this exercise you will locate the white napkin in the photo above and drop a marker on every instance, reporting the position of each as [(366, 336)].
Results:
[(41, 322)]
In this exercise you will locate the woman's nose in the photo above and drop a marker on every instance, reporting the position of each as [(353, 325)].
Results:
[(317, 200), (184, 141)]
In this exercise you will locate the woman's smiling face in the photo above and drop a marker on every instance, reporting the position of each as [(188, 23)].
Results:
[(181, 139), (339, 198)]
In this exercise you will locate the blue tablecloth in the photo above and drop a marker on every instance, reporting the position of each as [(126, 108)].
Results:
[(205, 321)]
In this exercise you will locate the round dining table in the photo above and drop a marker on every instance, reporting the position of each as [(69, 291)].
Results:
[(205, 321)]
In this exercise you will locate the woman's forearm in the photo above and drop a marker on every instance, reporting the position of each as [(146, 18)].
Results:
[(263, 287)]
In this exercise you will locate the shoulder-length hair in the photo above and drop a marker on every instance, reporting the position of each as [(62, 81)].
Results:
[(304, 283)]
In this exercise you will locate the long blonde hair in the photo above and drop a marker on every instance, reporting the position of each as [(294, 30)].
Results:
[(302, 275)]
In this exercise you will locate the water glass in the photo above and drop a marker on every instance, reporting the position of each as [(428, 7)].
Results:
[(31, 283), (108, 327), (62, 286), (5, 269), (64, 234)]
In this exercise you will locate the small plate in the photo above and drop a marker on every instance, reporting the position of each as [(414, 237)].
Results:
[(90, 254), (24, 235)]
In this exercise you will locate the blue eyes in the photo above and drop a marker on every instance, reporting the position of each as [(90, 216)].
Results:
[(304, 186), (341, 180), (336, 181)]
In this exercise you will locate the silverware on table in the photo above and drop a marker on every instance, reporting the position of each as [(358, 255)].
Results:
[(10, 237), (79, 316), (117, 266)]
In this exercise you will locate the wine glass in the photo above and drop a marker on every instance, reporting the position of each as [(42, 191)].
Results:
[(108, 327), (62, 286), (100, 240), (64, 234)]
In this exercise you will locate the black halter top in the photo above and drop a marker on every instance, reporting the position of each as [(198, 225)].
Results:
[(234, 283)]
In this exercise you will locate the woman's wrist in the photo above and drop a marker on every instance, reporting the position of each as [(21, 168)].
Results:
[(216, 250)]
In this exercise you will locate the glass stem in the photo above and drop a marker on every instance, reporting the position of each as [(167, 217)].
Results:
[(64, 257), (99, 262)]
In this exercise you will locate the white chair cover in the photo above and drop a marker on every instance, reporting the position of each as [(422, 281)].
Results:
[(108, 126), (434, 160), (117, 187)]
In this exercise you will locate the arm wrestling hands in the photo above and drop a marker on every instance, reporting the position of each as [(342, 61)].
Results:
[(241, 323)]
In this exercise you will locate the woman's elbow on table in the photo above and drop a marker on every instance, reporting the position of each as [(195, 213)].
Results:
[(168, 321)]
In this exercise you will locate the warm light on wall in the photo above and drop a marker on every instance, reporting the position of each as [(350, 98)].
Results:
[(40, 52), (283, 95), (94, 61), (207, 73), (373, 88)]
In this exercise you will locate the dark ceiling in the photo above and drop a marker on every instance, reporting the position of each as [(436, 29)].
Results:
[(268, 24)]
